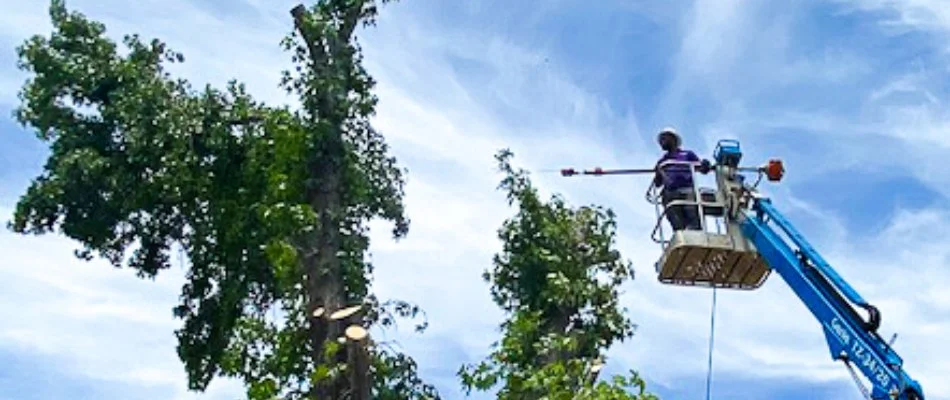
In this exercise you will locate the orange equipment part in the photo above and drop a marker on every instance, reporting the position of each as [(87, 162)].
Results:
[(774, 170)]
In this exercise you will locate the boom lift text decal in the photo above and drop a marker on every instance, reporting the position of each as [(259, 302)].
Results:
[(860, 353)]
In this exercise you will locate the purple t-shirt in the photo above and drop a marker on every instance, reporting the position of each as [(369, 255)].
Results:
[(676, 176)]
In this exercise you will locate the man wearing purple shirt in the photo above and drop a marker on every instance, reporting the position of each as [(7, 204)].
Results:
[(677, 181)]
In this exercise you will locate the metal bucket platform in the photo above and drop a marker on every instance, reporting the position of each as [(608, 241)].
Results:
[(697, 258)]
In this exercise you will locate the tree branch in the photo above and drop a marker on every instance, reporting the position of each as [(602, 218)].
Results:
[(348, 25), (317, 54)]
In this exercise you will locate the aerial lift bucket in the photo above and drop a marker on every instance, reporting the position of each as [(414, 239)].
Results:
[(721, 259), (697, 258)]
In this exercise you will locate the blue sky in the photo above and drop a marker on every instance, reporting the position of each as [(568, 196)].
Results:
[(851, 94)]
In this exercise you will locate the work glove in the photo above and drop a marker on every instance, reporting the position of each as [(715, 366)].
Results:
[(705, 166)]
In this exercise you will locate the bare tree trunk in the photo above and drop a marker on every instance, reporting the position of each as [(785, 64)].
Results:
[(557, 323), (319, 330), (358, 358), (359, 373), (324, 274), (324, 283)]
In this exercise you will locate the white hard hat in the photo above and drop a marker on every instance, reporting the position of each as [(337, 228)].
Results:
[(669, 131)]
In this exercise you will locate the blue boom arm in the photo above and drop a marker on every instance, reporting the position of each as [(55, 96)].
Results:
[(850, 338)]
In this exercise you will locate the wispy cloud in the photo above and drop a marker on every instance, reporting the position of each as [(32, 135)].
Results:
[(908, 15), (90, 325)]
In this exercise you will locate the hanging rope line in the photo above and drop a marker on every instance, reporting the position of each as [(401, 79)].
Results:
[(712, 332)]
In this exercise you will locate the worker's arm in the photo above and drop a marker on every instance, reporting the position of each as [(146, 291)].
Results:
[(657, 177), (704, 165)]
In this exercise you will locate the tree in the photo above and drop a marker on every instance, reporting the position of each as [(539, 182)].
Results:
[(269, 204), (557, 277)]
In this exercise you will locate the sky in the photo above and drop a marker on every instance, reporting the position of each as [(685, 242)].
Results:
[(851, 95)]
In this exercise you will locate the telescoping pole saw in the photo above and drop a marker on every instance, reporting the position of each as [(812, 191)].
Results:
[(629, 171), (601, 171)]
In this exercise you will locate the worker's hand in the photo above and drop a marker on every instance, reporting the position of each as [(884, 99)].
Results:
[(705, 166)]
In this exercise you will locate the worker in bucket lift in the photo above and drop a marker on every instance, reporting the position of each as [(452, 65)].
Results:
[(677, 181)]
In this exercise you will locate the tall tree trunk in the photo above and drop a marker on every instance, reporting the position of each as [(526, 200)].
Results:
[(557, 322), (325, 291), (325, 280), (358, 357), (359, 373), (324, 274)]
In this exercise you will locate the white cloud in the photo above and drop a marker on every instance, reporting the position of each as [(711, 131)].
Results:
[(445, 130), (909, 14), (96, 322)]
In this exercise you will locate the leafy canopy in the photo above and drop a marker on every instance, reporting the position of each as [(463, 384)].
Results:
[(557, 277), (142, 163)]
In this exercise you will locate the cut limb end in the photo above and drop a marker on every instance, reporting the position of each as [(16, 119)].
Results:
[(597, 365), (318, 312), (298, 10), (344, 313), (356, 333)]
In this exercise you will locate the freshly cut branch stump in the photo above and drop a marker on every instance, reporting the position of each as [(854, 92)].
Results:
[(345, 312), (356, 333)]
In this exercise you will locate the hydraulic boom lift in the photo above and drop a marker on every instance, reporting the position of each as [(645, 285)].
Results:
[(758, 239)]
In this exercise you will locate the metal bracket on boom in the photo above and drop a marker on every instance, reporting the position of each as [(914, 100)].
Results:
[(854, 375), (874, 315)]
